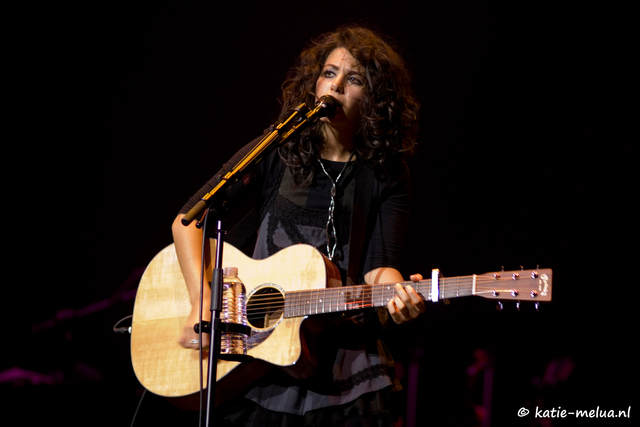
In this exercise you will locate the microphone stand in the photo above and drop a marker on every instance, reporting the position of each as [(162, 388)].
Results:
[(301, 118), (256, 154)]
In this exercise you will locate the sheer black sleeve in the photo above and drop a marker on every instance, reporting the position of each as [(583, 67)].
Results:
[(389, 217)]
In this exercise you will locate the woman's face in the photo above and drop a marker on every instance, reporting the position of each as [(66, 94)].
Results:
[(343, 78)]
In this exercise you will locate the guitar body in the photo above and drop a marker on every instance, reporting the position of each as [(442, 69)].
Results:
[(162, 306)]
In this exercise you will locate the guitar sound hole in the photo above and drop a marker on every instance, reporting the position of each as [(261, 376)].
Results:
[(265, 308)]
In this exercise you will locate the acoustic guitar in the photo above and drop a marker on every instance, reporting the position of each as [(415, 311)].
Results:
[(282, 291)]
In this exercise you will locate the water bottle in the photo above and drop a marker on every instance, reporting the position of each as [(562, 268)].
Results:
[(234, 310)]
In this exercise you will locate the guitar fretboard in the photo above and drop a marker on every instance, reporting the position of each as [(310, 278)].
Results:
[(332, 300), (532, 285)]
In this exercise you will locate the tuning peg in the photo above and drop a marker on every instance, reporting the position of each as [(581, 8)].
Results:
[(518, 305), (537, 306), (499, 306)]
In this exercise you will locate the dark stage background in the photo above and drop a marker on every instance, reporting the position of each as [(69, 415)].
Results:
[(528, 124)]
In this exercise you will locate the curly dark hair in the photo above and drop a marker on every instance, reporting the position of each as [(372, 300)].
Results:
[(389, 110)]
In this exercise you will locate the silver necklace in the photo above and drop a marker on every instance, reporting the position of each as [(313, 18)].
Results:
[(331, 225)]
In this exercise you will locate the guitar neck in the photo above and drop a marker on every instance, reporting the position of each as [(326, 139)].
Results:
[(532, 285), (333, 300)]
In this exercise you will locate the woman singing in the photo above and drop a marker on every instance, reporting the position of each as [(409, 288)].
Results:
[(340, 185)]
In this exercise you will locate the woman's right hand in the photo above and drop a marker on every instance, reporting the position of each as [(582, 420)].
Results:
[(189, 338), (188, 242)]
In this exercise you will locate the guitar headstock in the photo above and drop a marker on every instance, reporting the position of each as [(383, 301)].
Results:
[(522, 285)]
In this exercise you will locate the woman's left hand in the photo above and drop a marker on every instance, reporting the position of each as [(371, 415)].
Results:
[(407, 304)]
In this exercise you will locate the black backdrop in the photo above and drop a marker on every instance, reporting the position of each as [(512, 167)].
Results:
[(526, 159)]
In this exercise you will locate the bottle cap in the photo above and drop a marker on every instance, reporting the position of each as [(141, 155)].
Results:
[(230, 271)]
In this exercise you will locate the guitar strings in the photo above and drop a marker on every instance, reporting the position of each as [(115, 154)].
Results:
[(377, 290), (339, 299)]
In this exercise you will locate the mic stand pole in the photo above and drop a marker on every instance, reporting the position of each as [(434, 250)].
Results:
[(215, 327), (215, 336)]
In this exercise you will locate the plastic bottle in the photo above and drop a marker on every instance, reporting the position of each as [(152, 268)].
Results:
[(234, 310)]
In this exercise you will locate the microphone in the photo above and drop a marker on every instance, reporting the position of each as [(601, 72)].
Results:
[(325, 107)]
